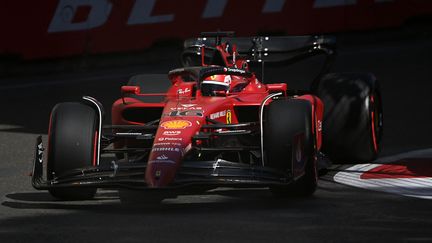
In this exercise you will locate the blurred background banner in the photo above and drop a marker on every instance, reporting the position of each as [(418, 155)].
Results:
[(62, 28)]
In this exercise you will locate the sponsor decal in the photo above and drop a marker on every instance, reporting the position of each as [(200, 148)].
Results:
[(184, 108), (169, 139), (161, 161), (171, 133), (161, 144), (183, 91), (228, 117), (213, 77), (188, 105), (235, 70), (227, 79), (176, 124), (192, 113), (218, 115), (166, 149), (162, 157), (166, 144)]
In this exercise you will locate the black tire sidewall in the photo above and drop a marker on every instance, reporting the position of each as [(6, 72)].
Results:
[(284, 120), (71, 146), (347, 124)]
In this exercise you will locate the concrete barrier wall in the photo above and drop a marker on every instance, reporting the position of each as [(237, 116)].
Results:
[(59, 28)]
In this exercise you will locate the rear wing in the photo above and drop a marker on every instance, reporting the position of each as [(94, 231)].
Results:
[(263, 48), (271, 50)]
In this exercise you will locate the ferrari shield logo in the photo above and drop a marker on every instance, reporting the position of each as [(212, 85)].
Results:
[(228, 117)]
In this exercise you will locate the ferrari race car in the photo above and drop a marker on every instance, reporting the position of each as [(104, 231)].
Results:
[(217, 125)]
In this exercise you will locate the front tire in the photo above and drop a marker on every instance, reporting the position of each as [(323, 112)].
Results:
[(290, 145), (72, 140)]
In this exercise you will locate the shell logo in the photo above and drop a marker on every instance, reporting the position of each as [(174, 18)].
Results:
[(176, 124)]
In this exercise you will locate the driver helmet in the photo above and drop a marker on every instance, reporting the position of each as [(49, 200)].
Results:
[(216, 85)]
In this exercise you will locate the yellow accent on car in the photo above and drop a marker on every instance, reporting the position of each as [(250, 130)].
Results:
[(176, 124)]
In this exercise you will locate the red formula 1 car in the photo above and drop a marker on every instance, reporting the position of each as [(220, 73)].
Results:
[(217, 125)]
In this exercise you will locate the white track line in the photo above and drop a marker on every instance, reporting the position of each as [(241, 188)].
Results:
[(419, 187)]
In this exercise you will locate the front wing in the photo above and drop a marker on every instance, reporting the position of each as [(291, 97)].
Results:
[(131, 175)]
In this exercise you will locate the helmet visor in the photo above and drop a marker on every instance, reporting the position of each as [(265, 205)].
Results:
[(212, 88)]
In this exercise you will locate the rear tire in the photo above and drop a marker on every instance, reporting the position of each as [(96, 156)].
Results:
[(352, 125), (285, 121), (72, 137)]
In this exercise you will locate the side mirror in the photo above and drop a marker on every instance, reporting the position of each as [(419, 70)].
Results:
[(130, 90), (281, 87)]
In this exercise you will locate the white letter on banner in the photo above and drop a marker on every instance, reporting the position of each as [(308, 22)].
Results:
[(214, 8), (273, 6), (333, 3), (141, 13), (66, 10)]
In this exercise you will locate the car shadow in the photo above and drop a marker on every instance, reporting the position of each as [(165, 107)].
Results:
[(237, 199)]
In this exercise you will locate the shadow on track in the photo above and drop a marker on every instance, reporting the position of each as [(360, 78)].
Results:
[(248, 215), (237, 198)]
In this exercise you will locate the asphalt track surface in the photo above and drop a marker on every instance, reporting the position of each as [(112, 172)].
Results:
[(336, 213)]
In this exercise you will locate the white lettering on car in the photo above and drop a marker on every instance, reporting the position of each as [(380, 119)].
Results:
[(169, 139), (166, 144), (185, 108), (171, 133), (162, 157), (188, 105), (196, 113), (183, 91), (218, 115), (166, 150)]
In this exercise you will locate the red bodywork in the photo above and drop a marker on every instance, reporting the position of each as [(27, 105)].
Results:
[(185, 110)]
